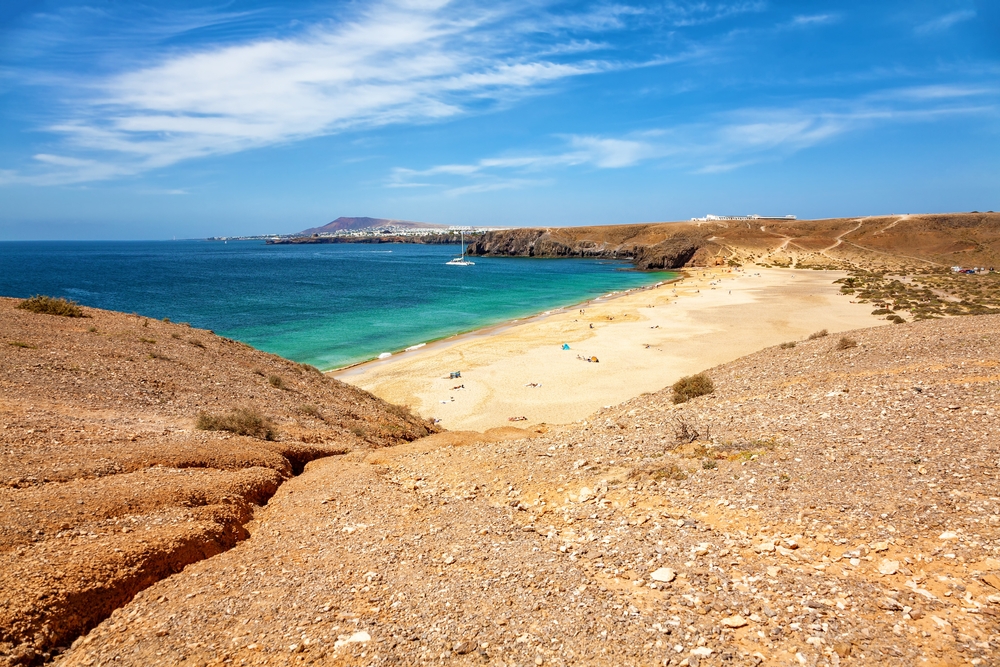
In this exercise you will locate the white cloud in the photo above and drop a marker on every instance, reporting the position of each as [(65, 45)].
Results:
[(62, 169), (612, 153), (400, 61), (699, 13), (492, 186), (942, 23), (814, 19), (734, 140)]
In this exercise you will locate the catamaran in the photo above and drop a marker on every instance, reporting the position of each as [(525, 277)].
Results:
[(461, 261)]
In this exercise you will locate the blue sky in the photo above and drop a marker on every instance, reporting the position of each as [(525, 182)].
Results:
[(190, 119)]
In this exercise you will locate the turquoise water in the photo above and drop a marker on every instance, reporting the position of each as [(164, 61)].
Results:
[(326, 305)]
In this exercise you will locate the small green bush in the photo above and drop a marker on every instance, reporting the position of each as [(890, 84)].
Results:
[(692, 386), (21, 343), (846, 343), (709, 464), (241, 421), (48, 305), (818, 334), (147, 340)]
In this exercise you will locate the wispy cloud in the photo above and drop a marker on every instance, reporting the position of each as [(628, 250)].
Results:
[(401, 61), (814, 19), (700, 13), (733, 140), (944, 22)]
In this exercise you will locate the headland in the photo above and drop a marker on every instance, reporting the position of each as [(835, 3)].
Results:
[(173, 497)]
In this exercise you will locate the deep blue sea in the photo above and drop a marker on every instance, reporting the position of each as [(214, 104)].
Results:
[(326, 305)]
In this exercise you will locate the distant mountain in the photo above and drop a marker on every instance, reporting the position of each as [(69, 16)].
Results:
[(343, 224)]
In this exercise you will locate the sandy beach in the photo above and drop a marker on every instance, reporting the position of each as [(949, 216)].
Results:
[(643, 341)]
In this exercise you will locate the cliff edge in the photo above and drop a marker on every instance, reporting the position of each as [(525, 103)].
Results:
[(131, 447)]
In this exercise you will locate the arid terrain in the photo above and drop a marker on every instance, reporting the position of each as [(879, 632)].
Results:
[(873, 243), (827, 504), (105, 483), (168, 496)]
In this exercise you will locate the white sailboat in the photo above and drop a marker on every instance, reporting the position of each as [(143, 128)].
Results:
[(461, 261)]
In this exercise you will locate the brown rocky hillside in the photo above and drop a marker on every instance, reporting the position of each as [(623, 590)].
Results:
[(106, 484), (835, 502), (966, 239)]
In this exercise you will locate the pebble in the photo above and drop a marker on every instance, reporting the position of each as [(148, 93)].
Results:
[(736, 621), (887, 566), (356, 638), (664, 575)]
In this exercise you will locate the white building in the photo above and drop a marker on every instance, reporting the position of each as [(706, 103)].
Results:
[(710, 217)]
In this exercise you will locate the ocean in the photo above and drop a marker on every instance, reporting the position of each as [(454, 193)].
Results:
[(325, 305)]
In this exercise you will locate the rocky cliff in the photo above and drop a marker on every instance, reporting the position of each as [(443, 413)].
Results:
[(670, 253), (967, 239)]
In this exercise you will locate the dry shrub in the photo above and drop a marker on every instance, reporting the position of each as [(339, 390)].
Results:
[(685, 432), (818, 334), (660, 473), (241, 421), (311, 410), (692, 386), (48, 305), (21, 343), (846, 343), (789, 345), (276, 381)]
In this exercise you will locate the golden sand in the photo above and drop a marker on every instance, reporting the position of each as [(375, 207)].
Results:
[(643, 340)]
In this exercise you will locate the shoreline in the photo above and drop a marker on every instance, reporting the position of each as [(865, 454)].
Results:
[(644, 339), (491, 329)]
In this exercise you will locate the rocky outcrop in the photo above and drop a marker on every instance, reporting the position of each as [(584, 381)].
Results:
[(966, 239), (672, 253)]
